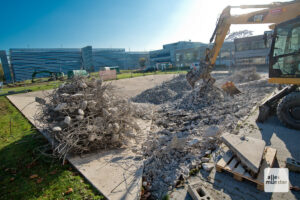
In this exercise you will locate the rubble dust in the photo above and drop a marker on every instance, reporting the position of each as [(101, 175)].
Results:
[(245, 75)]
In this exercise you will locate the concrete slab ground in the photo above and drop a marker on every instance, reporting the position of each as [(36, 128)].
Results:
[(117, 174), (133, 86)]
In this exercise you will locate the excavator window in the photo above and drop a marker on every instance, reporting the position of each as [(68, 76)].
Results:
[(286, 52)]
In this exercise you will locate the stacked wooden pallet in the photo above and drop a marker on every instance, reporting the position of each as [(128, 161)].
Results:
[(231, 164)]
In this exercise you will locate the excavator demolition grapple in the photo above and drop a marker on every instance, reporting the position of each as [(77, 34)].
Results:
[(284, 57)]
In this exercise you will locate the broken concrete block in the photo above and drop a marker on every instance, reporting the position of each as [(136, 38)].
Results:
[(208, 152), (197, 192), (56, 129), (248, 150), (212, 131), (178, 143), (193, 142), (76, 96), (83, 105), (80, 112), (91, 104), (145, 183), (205, 159), (293, 165), (67, 120), (79, 117), (83, 85), (60, 107), (92, 137), (208, 166)]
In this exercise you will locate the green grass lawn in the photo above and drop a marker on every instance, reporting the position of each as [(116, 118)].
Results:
[(27, 85), (25, 172), (33, 87), (129, 73)]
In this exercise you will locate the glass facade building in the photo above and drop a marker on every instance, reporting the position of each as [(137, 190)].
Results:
[(6, 68), (168, 53), (188, 56), (24, 62), (252, 51), (118, 57)]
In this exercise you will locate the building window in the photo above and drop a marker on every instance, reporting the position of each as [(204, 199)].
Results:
[(251, 61), (188, 56)]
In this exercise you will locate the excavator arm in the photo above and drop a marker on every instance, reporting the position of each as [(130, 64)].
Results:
[(274, 13)]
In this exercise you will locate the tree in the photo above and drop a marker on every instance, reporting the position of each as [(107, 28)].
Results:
[(142, 62), (238, 34), (1, 73)]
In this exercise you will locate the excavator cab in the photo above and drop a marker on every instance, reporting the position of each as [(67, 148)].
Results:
[(284, 68), (284, 55)]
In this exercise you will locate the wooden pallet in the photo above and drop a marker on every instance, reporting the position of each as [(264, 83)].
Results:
[(230, 164)]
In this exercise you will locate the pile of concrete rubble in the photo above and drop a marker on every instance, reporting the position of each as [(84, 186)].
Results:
[(185, 131), (169, 91), (83, 115)]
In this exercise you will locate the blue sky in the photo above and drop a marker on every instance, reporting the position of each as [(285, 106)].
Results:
[(131, 24)]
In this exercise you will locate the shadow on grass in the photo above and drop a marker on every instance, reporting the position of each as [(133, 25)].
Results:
[(26, 157)]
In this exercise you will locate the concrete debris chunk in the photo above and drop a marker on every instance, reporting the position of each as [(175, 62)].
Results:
[(178, 143), (248, 150), (79, 117), (205, 159), (198, 192), (56, 128), (208, 166), (194, 142), (83, 105), (67, 120), (80, 112), (212, 131), (60, 107)]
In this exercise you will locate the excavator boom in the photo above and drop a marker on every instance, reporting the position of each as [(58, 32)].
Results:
[(274, 13)]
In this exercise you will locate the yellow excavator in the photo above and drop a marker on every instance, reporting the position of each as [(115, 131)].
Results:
[(284, 57)]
